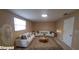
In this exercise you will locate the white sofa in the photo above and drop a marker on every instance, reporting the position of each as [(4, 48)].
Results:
[(24, 42), (47, 33), (30, 36)]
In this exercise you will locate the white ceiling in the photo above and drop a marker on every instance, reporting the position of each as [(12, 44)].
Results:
[(35, 14)]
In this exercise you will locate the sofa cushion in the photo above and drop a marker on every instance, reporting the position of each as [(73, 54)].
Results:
[(23, 43), (23, 37)]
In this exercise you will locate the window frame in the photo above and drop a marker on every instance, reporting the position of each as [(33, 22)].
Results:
[(19, 24)]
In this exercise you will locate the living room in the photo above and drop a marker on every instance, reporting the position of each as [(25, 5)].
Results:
[(46, 24)]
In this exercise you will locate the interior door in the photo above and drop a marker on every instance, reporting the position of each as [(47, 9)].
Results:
[(68, 31)]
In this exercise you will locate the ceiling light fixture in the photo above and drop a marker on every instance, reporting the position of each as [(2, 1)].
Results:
[(44, 15)]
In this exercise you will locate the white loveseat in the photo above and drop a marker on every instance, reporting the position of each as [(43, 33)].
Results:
[(25, 42)]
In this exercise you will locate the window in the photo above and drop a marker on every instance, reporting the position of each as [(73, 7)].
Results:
[(19, 24)]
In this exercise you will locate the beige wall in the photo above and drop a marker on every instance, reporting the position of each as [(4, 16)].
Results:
[(60, 29), (40, 26), (0, 38), (5, 18), (8, 18), (75, 42)]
